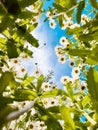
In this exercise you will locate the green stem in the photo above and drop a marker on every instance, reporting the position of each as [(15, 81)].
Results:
[(14, 115)]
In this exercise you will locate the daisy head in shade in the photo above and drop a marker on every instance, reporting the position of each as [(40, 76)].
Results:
[(75, 72), (64, 41), (62, 59), (52, 23)]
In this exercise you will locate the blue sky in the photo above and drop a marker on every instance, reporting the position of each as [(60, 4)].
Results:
[(48, 58), (45, 55)]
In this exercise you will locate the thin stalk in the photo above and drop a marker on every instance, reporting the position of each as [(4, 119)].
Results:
[(92, 121), (14, 115)]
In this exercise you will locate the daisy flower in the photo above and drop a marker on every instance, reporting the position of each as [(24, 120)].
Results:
[(75, 72), (64, 41), (45, 86), (64, 80), (62, 59), (52, 23), (37, 73)]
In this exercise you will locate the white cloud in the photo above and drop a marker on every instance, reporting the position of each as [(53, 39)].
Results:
[(43, 54)]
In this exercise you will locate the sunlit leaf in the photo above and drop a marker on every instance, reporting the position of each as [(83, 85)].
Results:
[(39, 82), (33, 41), (28, 80), (86, 101), (50, 121), (92, 80), (5, 80), (53, 93), (69, 123), (23, 94)]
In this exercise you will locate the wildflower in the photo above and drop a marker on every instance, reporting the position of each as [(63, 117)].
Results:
[(58, 50), (53, 86), (64, 80), (69, 24), (83, 85), (33, 111), (24, 56), (64, 25), (14, 62), (75, 72), (52, 23), (62, 59), (12, 125), (64, 41), (23, 70), (37, 73), (75, 26), (35, 19), (41, 125), (50, 102), (48, 14), (45, 86), (72, 63), (32, 125), (84, 19), (71, 80)]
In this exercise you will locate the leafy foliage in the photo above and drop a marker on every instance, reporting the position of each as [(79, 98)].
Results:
[(34, 101), (79, 11)]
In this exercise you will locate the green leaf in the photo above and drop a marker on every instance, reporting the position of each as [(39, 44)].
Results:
[(50, 121), (79, 52), (53, 93), (39, 82), (92, 80), (25, 14), (4, 22), (85, 101), (54, 109), (90, 55), (4, 101), (69, 123), (26, 3), (79, 10), (33, 41), (25, 94), (59, 7), (27, 81), (21, 29), (12, 49), (60, 20), (89, 37), (94, 3), (62, 5), (5, 80)]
